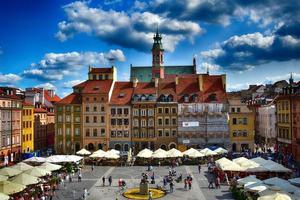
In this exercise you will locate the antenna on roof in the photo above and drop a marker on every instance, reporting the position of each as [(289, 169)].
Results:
[(207, 70), (111, 61)]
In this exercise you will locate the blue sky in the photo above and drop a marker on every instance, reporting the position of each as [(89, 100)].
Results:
[(52, 42)]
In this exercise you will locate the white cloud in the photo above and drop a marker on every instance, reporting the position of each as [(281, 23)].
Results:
[(139, 5), (9, 78), (47, 86), (211, 54), (209, 66), (54, 66), (127, 30), (273, 79), (70, 84)]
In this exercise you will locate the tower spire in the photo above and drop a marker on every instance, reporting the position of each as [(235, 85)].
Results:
[(157, 56)]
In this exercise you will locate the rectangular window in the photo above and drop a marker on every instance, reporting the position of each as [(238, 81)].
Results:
[(233, 120), (77, 119), (160, 133), (167, 133), (126, 111), (126, 121), (174, 110), (119, 111), (144, 123), (113, 134), (95, 109), (119, 134), (150, 112), (245, 121), (174, 133), (150, 122), (113, 111), (102, 119), (102, 109), (77, 109), (238, 110), (233, 110), (87, 108), (160, 122), (167, 121), (136, 112), (59, 131), (120, 121), (174, 121), (102, 132), (143, 112), (77, 131), (135, 122), (113, 121), (68, 131), (87, 132), (59, 118), (160, 110), (87, 119), (167, 110), (126, 134), (95, 119), (95, 132), (68, 108), (68, 118)]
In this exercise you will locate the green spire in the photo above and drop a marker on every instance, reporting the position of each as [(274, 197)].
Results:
[(157, 44)]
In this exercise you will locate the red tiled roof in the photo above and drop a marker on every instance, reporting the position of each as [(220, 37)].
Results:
[(26, 103), (40, 110), (145, 88), (73, 98), (167, 88), (122, 93), (95, 86), (101, 70), (55, 98)]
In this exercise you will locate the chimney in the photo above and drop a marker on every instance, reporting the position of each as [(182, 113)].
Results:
[(195, 64), (200, 81), (135, 82), (90, 68), (224, 81), (176, 80), (156, 82)]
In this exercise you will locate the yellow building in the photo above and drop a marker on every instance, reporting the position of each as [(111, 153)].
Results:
[(27, 128), (241, 124)]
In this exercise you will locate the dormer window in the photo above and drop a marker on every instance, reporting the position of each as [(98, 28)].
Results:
[(186, 98), (143, 98), (94, 77), (195, 98), (135, 98), (150, 97), (121, 95), (212, 97), (170, 98)]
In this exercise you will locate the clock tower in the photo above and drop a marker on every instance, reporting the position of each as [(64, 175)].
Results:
[(157, 57)]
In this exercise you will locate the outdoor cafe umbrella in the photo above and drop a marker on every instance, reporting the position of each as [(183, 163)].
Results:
[(22, 166), (25, 179), (8, 187), (174, 153), (295, 181), (208, 152), (255, 187), (220, 150), (111, 155), (159, 153), (145, 153), (114, 151), (195, 154), (282, 184), (83, 152), (248, 179), (98, 154), (3, 178), (189, 151), (35, 159), (9, 171), (4, 196), (276, 196), (37, 172), (50, 167)]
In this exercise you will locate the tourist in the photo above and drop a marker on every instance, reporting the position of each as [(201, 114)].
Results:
[(93, 167), (120, 182), (171, 186), (165, 181), (152, 178), (199, 168), (103, 180), (185, 183), (190, 183), (211, 182), (217, 182), (85, 193), (150, 195), (109, 180), (79, 176)]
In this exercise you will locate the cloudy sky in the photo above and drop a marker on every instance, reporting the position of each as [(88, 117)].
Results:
[(51, 43)]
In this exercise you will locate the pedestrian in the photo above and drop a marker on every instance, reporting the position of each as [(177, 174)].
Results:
[(171, 187), (85, 193), (211, 183), (159, 163), (110, 180), (103, 180), (93, 167), (190, 183), (152, 178), (185, 183), (79, 176), (70, 178), (150, 195), (165, 181), (199, 168), (217, 182)]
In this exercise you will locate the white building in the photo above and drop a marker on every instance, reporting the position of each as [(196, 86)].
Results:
[(267, 122)]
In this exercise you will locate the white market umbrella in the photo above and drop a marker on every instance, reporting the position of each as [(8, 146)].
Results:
[(22, 166), (9, 171), (260, 160), (189, 151), (74, 158), (3, 178), (50, 167), (208, 152), (35, 159), (255, 187), (159, 153), (227, 165), (276, 196), (83, 152), (114, 151), (295, 181), (196, 154), (111, 155), (4, 196), (248, 179), (37, 172), (8, 187), (25, 179), (98, 154), (282, 184), (220, 150), (145, 153), (174, 153), (250, 165)]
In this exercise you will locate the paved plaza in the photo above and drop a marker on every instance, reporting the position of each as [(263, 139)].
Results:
[(92, 180)]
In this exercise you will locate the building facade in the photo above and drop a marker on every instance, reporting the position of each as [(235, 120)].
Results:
[(27, 128), (241, 124), (267, 125), (10, 124)]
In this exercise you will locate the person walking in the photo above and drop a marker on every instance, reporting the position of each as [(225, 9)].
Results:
[(103, 180), (199, 168), (150, 196), (211, 182), (171, 187), (185, 183), (79, 176), (218, 182), (110, 180), (93, 167), (190, 183), (85, 193)]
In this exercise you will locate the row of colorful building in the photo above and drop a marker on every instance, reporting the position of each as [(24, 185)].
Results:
[(159, 107)]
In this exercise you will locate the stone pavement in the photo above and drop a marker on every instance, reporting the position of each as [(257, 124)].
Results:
[(93, 182)]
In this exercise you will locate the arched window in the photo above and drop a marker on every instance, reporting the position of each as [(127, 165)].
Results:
[(126, 147), (212, 97), (135, 97), (118, 147), (150, 97), (143, 97), (170, 98)]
